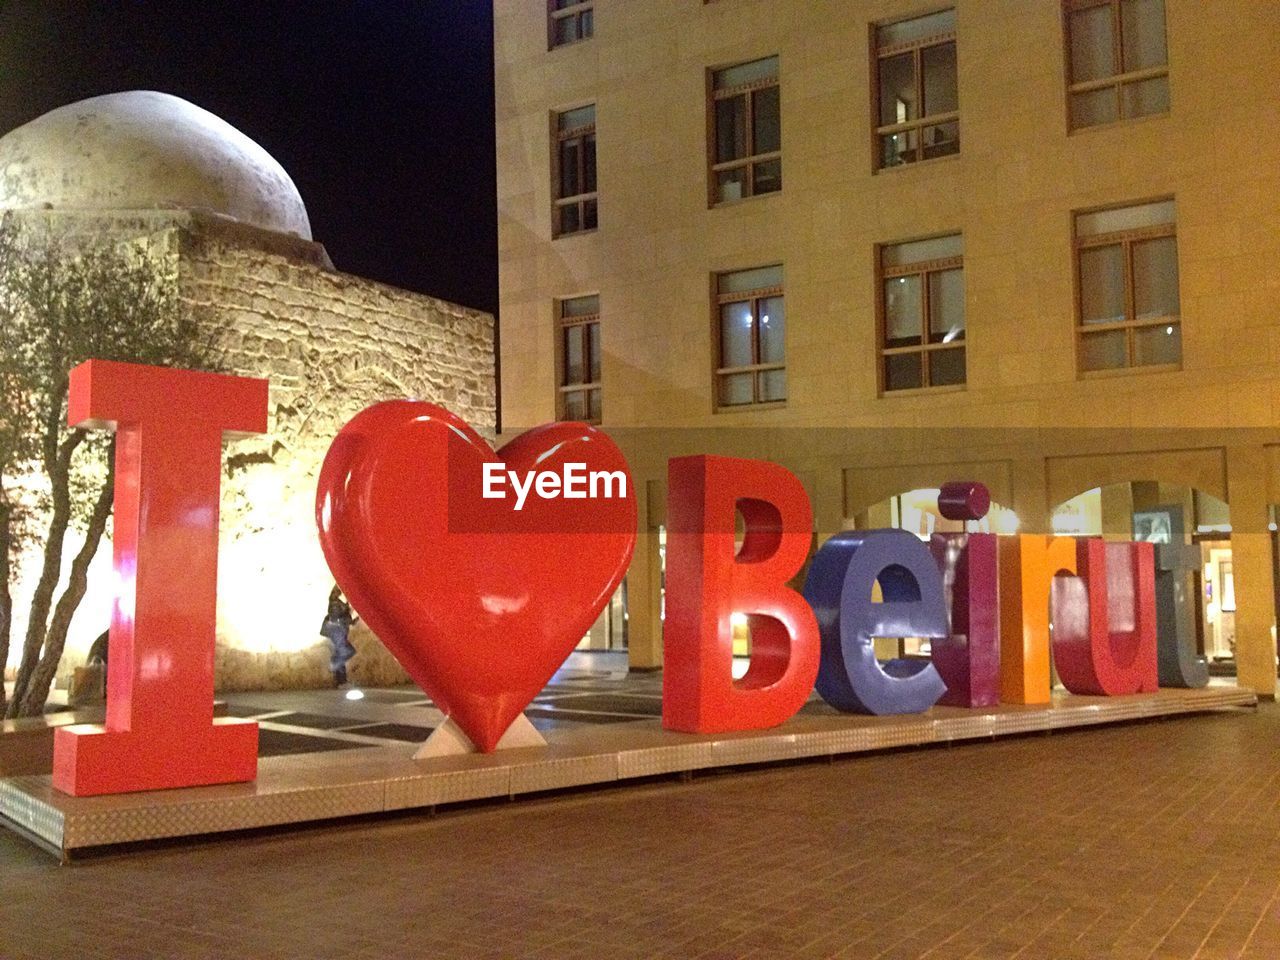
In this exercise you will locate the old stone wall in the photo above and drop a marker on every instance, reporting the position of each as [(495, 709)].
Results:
[(331, 344)]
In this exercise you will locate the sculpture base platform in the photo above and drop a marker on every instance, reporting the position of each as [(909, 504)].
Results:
[(448, 740), (346, 783)]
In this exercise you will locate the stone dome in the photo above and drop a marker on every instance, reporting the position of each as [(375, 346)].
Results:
[(144, 150)]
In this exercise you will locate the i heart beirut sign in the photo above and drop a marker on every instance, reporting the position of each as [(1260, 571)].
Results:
[(481, 570)]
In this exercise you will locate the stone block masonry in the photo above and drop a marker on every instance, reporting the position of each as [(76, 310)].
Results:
[(331, 344)]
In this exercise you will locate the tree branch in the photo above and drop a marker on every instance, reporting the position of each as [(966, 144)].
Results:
[(67, 447), (37, 691), (50, 571), (50, 447), (6, 597)]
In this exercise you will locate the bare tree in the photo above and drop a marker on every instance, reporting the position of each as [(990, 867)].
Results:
[(60, 305)]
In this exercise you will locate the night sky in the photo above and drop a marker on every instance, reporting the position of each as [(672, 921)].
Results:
[(380, 110)]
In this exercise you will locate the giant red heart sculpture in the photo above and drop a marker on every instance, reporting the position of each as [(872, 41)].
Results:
[(480, 602)]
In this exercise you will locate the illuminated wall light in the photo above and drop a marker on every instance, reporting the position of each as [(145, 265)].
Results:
[(273, 582)]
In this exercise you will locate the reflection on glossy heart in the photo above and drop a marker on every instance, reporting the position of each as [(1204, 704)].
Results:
[(480, 602)]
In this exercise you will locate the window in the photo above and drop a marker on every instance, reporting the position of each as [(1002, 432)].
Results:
[(580, 359), (1117, 60), (751, 326), (575, 171), (922, 314), (917, 105), (569, 21), (1127, 278), (746, 122)]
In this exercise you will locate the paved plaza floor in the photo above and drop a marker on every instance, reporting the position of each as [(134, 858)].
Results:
[(1153, 840), (591, 689)]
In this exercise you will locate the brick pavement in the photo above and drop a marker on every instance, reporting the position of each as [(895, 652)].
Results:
[(1155, 840)]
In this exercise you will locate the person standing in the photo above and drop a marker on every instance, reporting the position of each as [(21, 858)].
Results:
[(335, 628)]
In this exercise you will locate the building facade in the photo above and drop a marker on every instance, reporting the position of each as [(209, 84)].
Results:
[(889, 243)]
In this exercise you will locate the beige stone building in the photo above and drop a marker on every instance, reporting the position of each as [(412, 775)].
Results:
[(889, 243), (223, 223)]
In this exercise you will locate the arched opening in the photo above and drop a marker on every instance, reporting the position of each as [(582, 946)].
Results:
[(1175, 514)]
